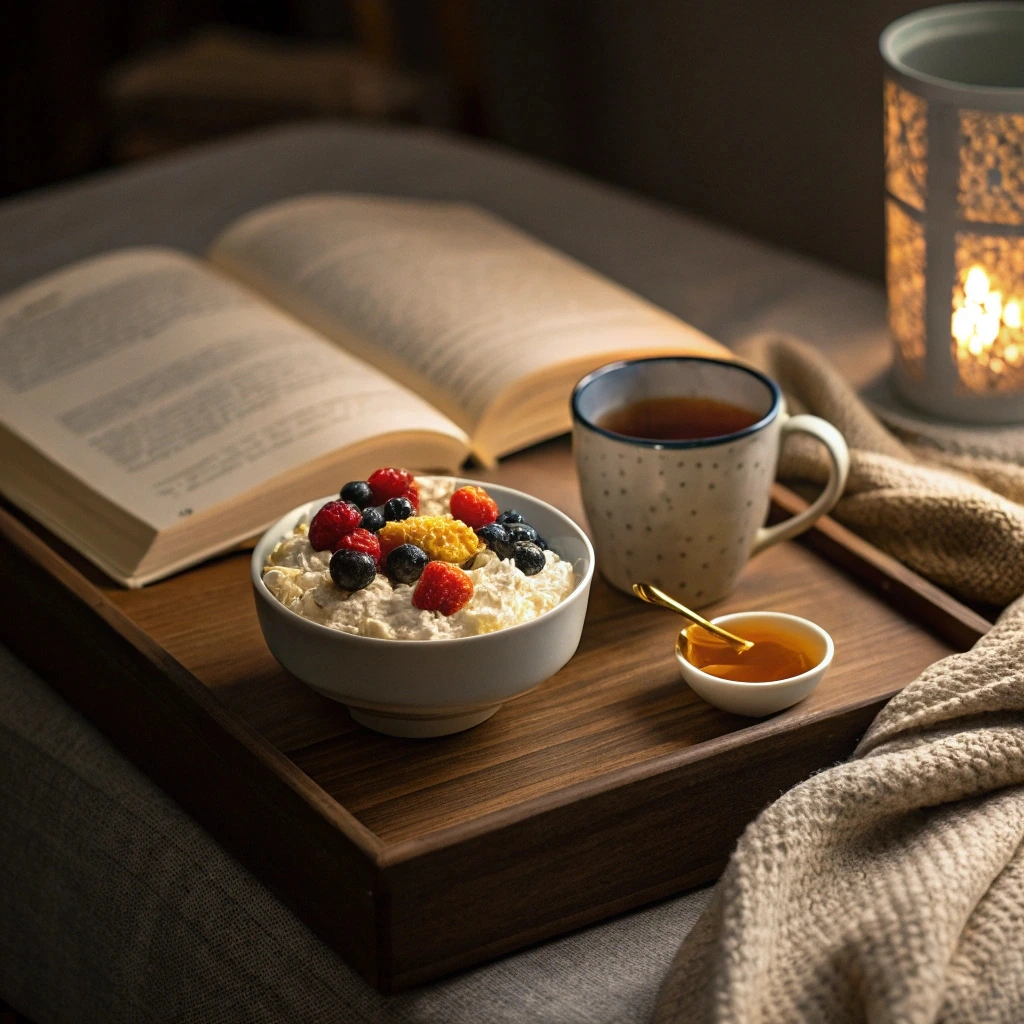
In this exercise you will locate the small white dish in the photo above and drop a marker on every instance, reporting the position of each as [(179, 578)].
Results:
[(758, 699), (422, 688)]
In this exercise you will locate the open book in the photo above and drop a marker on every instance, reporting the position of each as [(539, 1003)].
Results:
[(156, 409)]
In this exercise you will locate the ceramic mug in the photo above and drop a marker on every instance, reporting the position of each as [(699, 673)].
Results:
[(687, 514)]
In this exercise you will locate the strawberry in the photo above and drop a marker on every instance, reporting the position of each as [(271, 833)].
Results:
[(442, 588), (331, 523), (361, 540), (474, 506), (390, 482)]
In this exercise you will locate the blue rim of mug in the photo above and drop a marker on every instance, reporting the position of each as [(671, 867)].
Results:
[(697, 442)]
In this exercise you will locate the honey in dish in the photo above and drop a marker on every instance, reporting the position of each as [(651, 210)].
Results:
[(776, 654), (678, 418)]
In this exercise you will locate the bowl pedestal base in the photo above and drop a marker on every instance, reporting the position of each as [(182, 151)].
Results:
[(416, 722), (419, 727)]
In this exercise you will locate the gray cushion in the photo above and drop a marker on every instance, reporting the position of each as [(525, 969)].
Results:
[(114, 905)]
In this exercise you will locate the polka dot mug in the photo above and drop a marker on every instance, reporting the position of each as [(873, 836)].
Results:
[(686, 514)]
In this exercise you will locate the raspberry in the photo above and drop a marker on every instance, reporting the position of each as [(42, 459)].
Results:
[(474, 506), (361, 540), (412, 492), (331, 523), (443, 539), (390, 482), (442, 588)]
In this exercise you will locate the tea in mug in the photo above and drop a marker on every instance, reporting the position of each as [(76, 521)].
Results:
[(678, 418)]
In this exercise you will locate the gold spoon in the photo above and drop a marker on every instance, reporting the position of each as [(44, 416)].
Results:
[(653, 595)]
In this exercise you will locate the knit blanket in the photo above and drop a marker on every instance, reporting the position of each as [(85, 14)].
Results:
[(957, 519), (889, 888)]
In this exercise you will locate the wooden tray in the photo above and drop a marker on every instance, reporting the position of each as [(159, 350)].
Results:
[(609, 786)]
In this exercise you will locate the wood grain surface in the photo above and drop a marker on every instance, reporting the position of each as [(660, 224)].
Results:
[(608, 786)]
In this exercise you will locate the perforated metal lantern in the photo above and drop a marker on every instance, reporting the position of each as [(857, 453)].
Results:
[(954, 161)]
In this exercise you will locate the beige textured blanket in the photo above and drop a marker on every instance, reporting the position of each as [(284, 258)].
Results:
[(889, 888), (957, 519)]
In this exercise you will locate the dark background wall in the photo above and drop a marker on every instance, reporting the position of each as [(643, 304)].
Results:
[(762, 114)]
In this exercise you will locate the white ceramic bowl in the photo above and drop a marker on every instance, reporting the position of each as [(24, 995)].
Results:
[(430, 687), (758, 699)]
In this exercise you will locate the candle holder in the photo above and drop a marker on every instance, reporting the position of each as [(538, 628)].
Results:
[(954, 209)]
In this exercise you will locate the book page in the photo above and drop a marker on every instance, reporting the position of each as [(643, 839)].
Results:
[(168, 389), (453, 302)]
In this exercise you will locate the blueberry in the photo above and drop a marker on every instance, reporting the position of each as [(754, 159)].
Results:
[(352, 570), (406, 563), (521, 531), (542, 543), (528, 557), (398, 508), (358, 492), (495, 536), (509, 516), (373, 519)]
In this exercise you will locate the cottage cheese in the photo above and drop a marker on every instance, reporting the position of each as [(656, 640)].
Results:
[(503, 596)]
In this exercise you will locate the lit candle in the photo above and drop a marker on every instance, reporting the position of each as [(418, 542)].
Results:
[(987, 330)]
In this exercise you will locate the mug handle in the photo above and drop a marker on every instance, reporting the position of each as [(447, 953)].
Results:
[(840, 456)]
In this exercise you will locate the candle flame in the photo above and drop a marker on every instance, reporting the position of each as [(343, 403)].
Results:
[(976, 285), (963, 325), (979, 320)]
